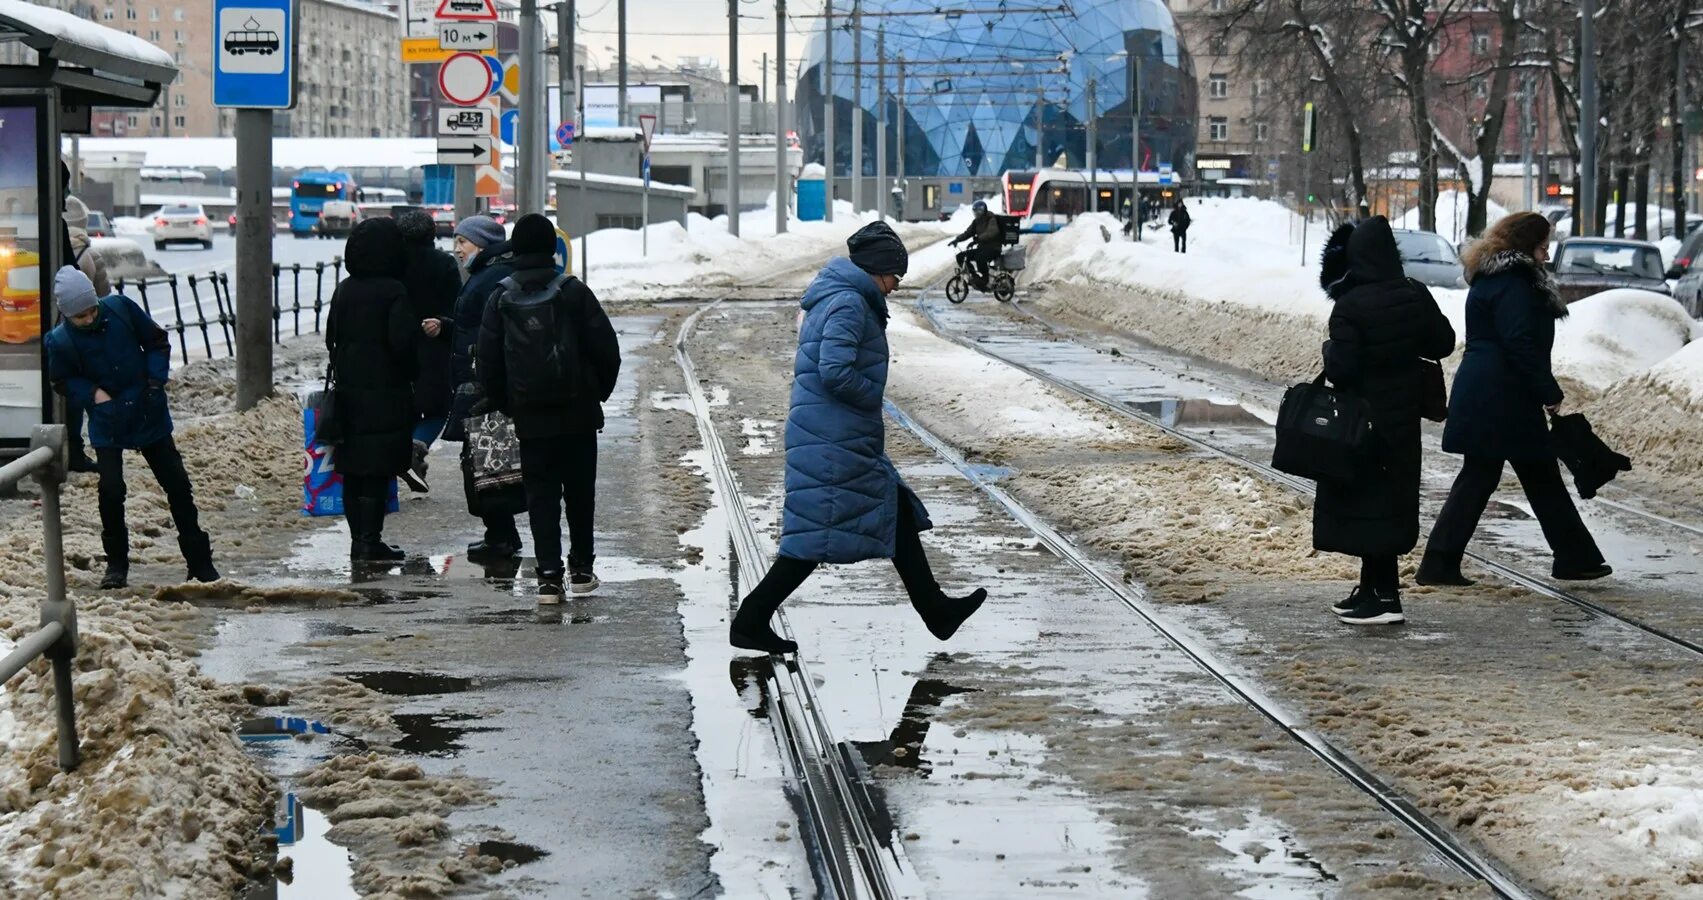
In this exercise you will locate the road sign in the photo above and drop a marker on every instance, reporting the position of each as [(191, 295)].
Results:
[(564, 253), (467, 36), (508, 82), (645, 168), (464, 79), (647, 127), (464, 151), (466, 10), (506, 125), (255, 67), (565, 134), (488, 182), (496, 66), (464, 120), (1309, 128), (421, 23), (1167, 175), (424, 50)]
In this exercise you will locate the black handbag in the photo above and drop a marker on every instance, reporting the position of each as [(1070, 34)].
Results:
[(327, 424), (1433, 394), (1592, 462), (1323, 432)]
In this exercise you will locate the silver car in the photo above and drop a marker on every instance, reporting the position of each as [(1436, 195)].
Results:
[(182, 223), (1430, 260)]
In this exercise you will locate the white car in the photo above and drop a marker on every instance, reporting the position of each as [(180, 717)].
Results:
[(182, 223)]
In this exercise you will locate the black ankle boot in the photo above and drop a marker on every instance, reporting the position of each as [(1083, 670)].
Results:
[(751, 630), (943, 615), (1437, 574), (366, 530)]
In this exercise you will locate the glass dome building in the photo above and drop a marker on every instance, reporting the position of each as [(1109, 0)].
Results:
[(975, 76)]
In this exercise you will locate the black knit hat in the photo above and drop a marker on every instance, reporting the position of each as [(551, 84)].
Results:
[(876, 249), (417, 226), (533, 234)]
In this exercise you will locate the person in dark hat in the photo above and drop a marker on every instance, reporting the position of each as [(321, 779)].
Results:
[(548, 358), (845, 502), (108, 357), (433, 280)]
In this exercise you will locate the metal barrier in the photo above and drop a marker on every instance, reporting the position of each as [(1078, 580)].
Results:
[(56, 639), (214, 288)]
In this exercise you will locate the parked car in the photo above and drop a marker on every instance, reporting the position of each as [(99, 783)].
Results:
[(1429, 259), (336, 219), (1586, 266), (182, 223), (443, 217), (1687, 274), (99, 225)]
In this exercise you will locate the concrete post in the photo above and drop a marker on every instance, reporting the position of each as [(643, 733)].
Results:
[(828, 110), (733, 117), (529, 130), (1092, 119), (783, 180), (881, 123), (1586, 202), (621, 62), (254, 256), (857, 107)]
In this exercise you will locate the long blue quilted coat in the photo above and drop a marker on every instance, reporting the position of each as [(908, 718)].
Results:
[(842, 493)]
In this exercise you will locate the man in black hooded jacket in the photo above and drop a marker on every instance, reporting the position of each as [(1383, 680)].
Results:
[(553, 386)]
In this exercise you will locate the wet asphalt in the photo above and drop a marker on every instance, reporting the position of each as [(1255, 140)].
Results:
[(573, 717)]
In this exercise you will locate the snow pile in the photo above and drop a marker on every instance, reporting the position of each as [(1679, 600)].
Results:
[(1452, 215), (1655, 811), (1616, 334), (131, 225), (1670, 248)]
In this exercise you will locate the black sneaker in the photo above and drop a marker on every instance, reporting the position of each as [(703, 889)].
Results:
[(549, 587), (116, 577), (583, 584), (492, 550), (1601, 570), (1348, 603), (1442, 577), (204, 573), (1373, 609)]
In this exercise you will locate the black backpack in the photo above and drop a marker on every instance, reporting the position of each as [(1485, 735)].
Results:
[(540, 348)]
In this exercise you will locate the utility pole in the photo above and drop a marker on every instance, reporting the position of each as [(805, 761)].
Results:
[(1586, 202), (881, 123), (565, 77), (783, 178), (764, 84), (1135, 138), (899, 93), (828, 107), (857, 107), (620, 62), (1093, 155), (254, 256), (733, 117), (584, 205), (1526, 141), (529, 129), (1040, 127)]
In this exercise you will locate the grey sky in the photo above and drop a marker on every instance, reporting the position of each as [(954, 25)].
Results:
[(673, 28)]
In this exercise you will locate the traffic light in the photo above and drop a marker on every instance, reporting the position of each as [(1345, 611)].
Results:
[(1311, 198)]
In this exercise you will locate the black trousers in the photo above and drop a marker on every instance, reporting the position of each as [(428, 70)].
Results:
[(1180, 241), (1380, 573), (1568, 538), (166, 463), (561, 472), (787, 574), (980, 257)]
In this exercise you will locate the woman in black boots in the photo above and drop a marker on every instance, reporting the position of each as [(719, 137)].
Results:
[(1382, 325), (371, 335), (1502, 390)]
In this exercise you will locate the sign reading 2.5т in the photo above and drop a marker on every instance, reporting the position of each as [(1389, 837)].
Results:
[(254, 54)]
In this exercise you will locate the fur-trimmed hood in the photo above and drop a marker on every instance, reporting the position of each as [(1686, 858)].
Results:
[(1519, 263), (1359, 254)]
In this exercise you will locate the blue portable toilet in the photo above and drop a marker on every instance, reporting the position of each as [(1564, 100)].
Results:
[(812, 193)]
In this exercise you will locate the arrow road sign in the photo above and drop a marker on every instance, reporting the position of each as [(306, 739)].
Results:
[(421, 23), (464, 36), (467, 10), (464, 79), (468, 120), (464, 151)]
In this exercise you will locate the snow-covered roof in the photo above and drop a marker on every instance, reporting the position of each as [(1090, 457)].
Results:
[(287, 153), (656, 187), (69, 39)]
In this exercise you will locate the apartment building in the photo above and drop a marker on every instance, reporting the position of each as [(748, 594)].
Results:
[(1237, 135), (351, 79)]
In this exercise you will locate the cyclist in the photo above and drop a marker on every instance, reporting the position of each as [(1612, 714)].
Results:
[(985, 241)]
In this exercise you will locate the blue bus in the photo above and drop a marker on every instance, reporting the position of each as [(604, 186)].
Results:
[(308, 194)]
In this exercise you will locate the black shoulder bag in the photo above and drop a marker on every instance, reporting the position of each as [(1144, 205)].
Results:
[(1323, 432), (327, 424)]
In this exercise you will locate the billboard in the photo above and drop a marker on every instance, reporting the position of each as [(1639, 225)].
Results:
[(603, 100), (25, 167)]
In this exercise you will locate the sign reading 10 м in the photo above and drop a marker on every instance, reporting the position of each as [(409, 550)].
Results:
[(254, 57)]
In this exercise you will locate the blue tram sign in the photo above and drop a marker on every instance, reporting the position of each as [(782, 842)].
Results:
[(254, 54)]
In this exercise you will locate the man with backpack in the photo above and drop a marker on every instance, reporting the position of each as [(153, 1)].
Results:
[(548, 358), (109, 358)]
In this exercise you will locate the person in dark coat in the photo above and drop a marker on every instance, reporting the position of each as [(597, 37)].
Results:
[(433, 281), (1496, 415), (108, 357), (372, 335), (1180, 227), (484, 249), (1381, 326), (845, 501), (557, 424), (986, 241)]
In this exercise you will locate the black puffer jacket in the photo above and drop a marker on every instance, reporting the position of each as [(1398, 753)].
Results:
[(371, 336), (433, 280), (1382, 325), (487, 269), (1505, 378)]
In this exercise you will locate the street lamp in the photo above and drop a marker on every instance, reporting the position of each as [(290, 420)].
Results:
[(1134, 135)]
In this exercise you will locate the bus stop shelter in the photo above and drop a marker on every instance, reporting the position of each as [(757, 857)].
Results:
[(69, 66)]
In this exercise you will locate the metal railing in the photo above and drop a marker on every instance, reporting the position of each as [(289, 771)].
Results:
[(56, 639), (291, 299)]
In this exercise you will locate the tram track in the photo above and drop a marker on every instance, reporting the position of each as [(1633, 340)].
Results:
[(1505, 570)]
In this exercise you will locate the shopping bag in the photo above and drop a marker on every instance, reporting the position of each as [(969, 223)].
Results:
[(1323, 432), (494, 451), (322, 487)]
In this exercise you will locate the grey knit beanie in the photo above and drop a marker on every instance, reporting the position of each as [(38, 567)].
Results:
[(73, 292), (481, 230)]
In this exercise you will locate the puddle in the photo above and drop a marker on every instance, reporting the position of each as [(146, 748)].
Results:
[(279, 728), (1199, 412), (410, 684), (319, 870), (1263, 852), (323, 629), (751, 676), (433, 734), (510, 852), (903, 747), (668, 400), (759, 436)]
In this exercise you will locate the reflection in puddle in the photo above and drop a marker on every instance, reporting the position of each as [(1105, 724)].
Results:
[(903, 747), (278, 728), (1264, 852), (510, 852), (319, 869), (410, 684), (433, 734), (1193, 413), (751, 676)]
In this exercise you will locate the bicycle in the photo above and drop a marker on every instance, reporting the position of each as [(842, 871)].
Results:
[(1001, 283)]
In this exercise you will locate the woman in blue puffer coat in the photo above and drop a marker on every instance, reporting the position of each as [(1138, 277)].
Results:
[(844, 500)]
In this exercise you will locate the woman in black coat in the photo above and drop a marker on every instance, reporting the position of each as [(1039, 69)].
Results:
[(1502, 390), (372, 335), (433, 279), (1382, 325)]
